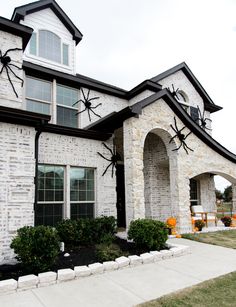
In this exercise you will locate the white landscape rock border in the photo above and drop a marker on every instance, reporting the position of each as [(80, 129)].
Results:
[(27, 282)]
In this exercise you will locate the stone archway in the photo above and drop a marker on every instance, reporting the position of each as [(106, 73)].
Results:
[(156, 178)]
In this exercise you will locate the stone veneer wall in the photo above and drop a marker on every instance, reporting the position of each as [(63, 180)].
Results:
[(159, 116), (156, 179), (17, 169)]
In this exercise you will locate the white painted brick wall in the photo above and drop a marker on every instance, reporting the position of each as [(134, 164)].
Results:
[(16, 182)]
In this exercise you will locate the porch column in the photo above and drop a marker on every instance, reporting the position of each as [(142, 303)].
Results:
[(183, 214), (134, 179), (234, 197)]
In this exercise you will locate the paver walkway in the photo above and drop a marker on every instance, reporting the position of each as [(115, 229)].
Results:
[(132, 286)]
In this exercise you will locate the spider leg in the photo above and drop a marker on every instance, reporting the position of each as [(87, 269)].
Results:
[(184, 147), (10, 64), (178, 147), (173, 128), (173, 87), (2, 69), (182, 129), (172, 138), (83, 94), (95, 113), (13, 49), (207, 119), (89, 115), (112, 169), (105, 145), (77, 102), (90, 99), (88, 92), (16, 75), (176, 125), (107, 169), (96, 106), (80, 112), (0, 53), (103, 157), (187, 135), (11, 81), (187, 146)]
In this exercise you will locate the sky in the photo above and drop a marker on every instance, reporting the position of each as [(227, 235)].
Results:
[(128, 41)]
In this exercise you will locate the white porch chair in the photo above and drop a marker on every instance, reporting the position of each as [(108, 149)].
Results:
[(199, 214)]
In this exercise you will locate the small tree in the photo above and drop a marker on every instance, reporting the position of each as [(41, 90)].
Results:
[(228, 194), (219, 194)]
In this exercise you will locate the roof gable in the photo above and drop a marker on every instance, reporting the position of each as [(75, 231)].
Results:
[(21, 11), (208, 103)]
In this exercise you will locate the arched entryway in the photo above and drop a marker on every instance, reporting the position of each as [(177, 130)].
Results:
[(156, 173)]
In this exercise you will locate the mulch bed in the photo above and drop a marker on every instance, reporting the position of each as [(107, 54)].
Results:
[(78, 256)]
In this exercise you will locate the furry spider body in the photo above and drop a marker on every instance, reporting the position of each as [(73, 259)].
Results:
[(7, 65), (87, 104), (115, 157), (202, 119), (181, 136)]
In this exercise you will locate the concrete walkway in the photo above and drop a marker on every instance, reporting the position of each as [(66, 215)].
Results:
[(132, 286)]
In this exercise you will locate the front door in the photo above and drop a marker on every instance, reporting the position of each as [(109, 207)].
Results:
[(120, 190)]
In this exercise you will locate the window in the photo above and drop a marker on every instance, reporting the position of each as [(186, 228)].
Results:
[(194, 192), (66, 113), (82, 196), (53, 196), (194, 114), (50, 195), (38, 95), (48, 45)]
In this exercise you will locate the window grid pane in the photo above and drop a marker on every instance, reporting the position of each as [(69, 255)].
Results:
[(38, 89), (33, 44), (50, 183), (82, 195), (67, 117), (48, 214), (65, 54), (49, 46)]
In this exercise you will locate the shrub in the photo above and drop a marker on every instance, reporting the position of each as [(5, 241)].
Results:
[(148, 234), (108, 252), (36, 247), (68, 232), (86, 231), (226, 220), (199, 224)]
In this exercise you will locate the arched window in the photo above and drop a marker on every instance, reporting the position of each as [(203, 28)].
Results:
[(49, 46)]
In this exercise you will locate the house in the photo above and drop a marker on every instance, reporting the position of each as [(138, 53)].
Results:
[(74, 147)]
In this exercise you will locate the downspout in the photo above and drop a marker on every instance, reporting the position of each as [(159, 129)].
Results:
[(39, 130)]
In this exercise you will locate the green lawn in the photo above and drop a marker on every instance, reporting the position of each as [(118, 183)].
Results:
[(223, 238), (216, 292)]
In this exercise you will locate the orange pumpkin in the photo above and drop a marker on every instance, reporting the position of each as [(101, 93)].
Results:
[(234, 216), (171, 222), (178, 236)]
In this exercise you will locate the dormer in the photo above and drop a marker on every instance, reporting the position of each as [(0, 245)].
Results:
[(54, 38)]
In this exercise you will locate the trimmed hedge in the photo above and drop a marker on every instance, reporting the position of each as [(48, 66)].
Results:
[(86, 231), (36, 247), (148, 234)]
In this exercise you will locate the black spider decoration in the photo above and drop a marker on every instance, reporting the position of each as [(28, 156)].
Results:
[(182, 137), (87, 104), (6, 63), (174, 92), (202, 119), (115, 157)]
